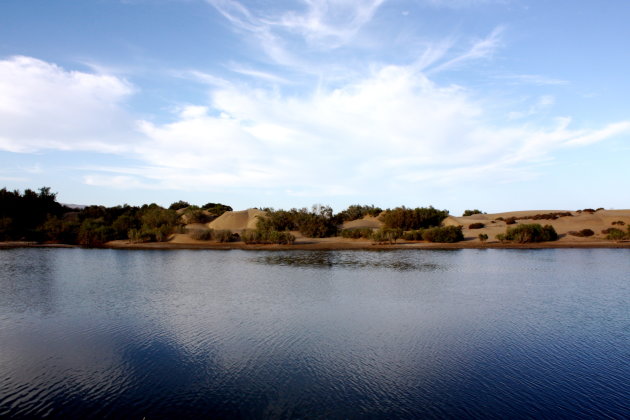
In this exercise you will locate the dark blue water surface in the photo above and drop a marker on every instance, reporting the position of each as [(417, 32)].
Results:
[(302, 334)]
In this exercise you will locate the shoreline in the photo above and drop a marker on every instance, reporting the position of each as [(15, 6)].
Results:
[(333, 246)]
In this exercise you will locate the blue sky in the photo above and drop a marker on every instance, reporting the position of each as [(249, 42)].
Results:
[(499, 105)]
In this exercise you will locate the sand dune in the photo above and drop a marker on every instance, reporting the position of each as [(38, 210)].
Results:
[(596, 221), (367, 222), (237, 221)]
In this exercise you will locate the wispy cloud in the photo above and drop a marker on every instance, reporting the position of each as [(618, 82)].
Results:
[(325, 25), (480, 49), (533, 79)]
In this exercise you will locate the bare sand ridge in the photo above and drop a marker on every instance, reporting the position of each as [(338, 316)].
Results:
[(367, 222), (237, 221), (596, 221)]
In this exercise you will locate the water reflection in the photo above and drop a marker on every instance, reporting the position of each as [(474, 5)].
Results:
[(398, 261), (343, 334)]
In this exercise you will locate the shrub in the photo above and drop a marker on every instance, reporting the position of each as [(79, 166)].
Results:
[(510, 221), (181, 204), (267, 237), (534, 232), (476, 226), (316, 223), (446, 234), (501, 237), (582, 233), (483, 237), (387, 235), (357, 233), (358, 211), (216, 209), (471, 212), (93, 233), (408, 219), (225, 236), (615, 234), (413, 235), (201, 234), (619, 223)]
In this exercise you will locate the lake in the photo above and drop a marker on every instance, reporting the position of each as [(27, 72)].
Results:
[(88, 333)]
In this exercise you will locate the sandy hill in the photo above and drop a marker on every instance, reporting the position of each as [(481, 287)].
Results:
[(596, 221), (237, 221), (366, 222)]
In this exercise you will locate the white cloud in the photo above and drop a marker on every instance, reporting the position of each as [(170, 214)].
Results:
[(43, 106), (390, 129), (483, 48), (533, 79), (320, 24)]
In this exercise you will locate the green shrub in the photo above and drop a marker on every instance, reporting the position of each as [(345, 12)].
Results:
[(582, 233), (471, 212), (181, 204), (224, 236), (616, 234), (385, 235), (94, 233), (413, 235), (446, 234), (206, 234), (409, 219), (319, 222), (534, 232), (476, 226), (357, 233), (358, 211), (267, 237), (216, 209)]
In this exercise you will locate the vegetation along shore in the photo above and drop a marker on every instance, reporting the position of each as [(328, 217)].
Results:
[(36, 218)]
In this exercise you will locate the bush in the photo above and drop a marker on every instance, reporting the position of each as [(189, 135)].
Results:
[(510, 221), (476, 226), (94, 233), (447, 234), (225, 236), (201, 234), (267, 237), (358, 211), (179, 205), (582, 233), (534, 232), (216, 209), (194, 214), (357, 233), (615, 234), (319, 222), (619, 223), (389, 236), (413, 235), (483, 237), (409, 219), (471, 212)]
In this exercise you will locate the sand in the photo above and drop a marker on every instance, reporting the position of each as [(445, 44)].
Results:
[(367, 222), (596, 221), (237, 221)]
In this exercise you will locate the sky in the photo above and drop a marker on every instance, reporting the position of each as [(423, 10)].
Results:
[(494, 105)]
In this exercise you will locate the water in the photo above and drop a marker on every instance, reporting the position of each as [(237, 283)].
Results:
[(346, 334)]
